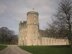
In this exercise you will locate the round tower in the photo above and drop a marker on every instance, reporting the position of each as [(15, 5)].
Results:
[(32, 28)]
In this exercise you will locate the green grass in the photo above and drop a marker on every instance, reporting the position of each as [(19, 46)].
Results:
[(2, 47), (48, 49)]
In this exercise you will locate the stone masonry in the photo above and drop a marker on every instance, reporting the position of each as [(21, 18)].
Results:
[(29, 33)]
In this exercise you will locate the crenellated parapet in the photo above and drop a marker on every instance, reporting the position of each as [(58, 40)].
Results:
[(22, 25), (33, 12)]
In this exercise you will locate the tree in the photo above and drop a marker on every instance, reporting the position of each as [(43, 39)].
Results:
[(62, 25), (64, 19), (52, 31), (7, 35)]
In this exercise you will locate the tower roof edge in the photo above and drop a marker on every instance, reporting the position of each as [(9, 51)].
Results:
[(32, 12)]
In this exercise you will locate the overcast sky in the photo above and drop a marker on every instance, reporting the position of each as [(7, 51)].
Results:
[(14, 11)]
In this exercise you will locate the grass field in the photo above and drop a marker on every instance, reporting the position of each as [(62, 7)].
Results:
[(48, 49), (2, 47)]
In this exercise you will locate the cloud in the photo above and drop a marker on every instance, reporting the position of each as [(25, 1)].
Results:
[(2, 8), (16, 10)]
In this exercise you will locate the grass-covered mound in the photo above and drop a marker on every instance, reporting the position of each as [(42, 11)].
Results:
[(48, 49), (2, 47)]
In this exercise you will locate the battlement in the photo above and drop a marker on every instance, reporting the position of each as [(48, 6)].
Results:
[(32, 12), (23, 24)]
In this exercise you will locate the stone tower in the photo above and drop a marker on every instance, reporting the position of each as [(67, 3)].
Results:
[(22, 33), (29, 30), (32, 28)]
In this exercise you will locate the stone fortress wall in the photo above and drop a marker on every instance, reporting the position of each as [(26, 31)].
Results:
[(54, 41), (29, 33)]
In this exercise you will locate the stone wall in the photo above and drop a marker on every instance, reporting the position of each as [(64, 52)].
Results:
[(53, 41)]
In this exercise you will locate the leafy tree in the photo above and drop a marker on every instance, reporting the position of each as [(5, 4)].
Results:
[(7, 36)]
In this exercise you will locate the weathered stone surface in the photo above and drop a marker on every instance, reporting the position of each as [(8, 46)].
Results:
[(29, 33)]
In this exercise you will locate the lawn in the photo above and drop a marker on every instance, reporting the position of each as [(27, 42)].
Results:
[(48, 49), (2, 47)]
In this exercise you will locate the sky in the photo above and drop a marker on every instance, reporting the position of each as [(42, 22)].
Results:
[(14, 11)]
